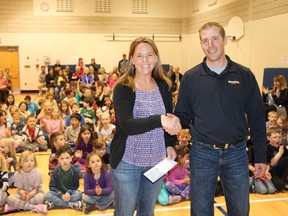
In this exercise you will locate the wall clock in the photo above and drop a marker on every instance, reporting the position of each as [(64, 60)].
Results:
[(44, 6)]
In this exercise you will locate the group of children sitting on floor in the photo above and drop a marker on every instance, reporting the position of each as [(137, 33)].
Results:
[(276, 177), (69, 125), (89, 160), (87, 157), (81, 157)]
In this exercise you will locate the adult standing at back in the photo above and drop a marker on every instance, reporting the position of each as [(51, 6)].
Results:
[(220, 99), (122, 64), (4, 88), (176, 77), (142, 98)]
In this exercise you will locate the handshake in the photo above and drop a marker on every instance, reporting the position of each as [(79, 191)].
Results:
[(171, 124)]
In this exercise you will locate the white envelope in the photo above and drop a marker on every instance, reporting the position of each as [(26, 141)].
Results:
[(160, 169)]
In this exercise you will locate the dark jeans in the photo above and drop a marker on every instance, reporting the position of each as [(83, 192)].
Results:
[(206, 164)]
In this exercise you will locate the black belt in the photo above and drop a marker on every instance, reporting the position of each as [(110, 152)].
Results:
[(224, 146), (221, 146)]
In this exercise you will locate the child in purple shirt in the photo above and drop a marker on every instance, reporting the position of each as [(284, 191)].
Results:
[(84, 145), (97, 184)]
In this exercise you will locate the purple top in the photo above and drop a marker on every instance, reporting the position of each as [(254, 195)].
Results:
[(146, 149), (104, 182), (86, 149)]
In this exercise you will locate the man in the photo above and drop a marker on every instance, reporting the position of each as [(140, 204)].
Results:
[(41, 79), (122, 64), (219, 99)]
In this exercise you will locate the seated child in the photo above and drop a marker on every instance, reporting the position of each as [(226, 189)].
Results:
[(65, 110), (282, 122), (277, 156), (101, 149), (43, 117), (28, 181), (57, 140), (17, 125), (32, 105), (107, 105), (260, 185), (23, 107), (71, 132), (75, 108), (98, 192), (3, 181), (70, 96), (32, 136), (16, 129), (4, 131), (88, 112), (184, 138), (272, 119), (263, 185), (41, 102), (8, 151), (177, 179), (105, 128), (64, 183), (84, 145), (55, 122)]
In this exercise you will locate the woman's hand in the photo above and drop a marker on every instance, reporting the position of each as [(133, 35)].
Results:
[(265, 90), (171, 154), (171, 123)]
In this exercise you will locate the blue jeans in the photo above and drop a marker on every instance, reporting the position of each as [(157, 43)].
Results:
[(133, 190), (57, 201), (102, 201), (231, 165), (264, 186)]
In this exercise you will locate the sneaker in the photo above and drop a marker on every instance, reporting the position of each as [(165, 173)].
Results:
[(76, 205), (88, 208), (8, 208), (49, 205), (40, 208), (174, 199)]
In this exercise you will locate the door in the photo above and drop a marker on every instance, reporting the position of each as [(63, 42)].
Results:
[(9, 58)]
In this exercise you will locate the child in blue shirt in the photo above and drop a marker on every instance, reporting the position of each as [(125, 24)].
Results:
[(32, 106)]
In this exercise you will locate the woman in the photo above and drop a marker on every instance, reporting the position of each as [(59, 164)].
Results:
[(276, 99), (142, 97)]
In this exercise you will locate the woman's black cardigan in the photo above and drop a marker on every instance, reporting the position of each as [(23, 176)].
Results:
[(123, 102)]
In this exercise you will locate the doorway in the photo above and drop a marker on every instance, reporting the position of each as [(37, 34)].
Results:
[(9, 58)]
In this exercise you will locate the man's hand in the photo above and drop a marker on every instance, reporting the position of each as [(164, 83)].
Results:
[(260, 170)]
